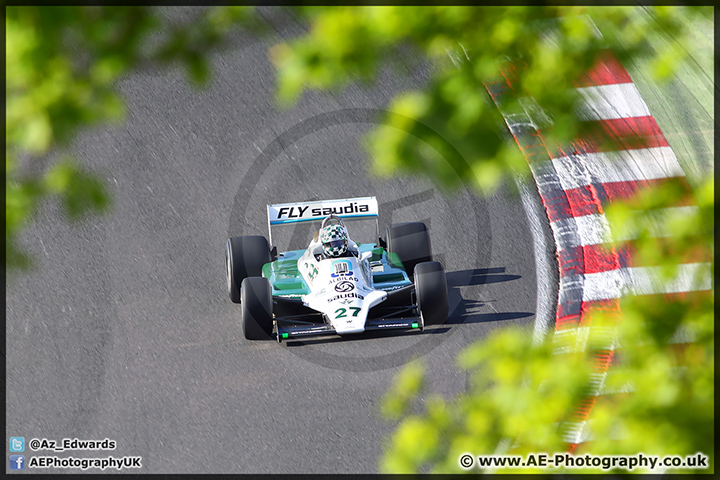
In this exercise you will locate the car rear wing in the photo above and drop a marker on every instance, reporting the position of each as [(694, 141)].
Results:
[(345, 208)]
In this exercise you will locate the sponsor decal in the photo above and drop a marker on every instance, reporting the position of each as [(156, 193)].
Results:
[(339, 279), (305, 332), (299, 211), (352, 207), (292, 212), (345, 286), (345, 295), (396, 287), (392, 325), (312, 270), (346, 301), (342, 268)]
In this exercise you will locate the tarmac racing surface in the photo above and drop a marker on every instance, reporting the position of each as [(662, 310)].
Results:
[(125, 331)]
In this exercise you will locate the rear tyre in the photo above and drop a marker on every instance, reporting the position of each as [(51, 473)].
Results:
[(431, 293), (257, 314), (244, 257), (411, 242)]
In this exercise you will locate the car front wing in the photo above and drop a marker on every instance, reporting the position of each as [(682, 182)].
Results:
[(287, 331)]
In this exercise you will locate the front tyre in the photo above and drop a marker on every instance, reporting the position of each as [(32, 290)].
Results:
[(431, 292), (257, 313), (244, 257), (411, 242)]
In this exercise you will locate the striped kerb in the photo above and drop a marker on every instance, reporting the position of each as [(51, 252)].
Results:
[(621, 156)]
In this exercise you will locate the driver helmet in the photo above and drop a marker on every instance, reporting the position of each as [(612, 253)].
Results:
[(334, 240)]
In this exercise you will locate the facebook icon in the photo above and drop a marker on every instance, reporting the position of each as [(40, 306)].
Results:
[(17, 462)]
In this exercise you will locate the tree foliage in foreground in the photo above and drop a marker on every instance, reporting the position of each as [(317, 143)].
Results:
[(62, 65), (450, 128), (522, 394), (657, 399)]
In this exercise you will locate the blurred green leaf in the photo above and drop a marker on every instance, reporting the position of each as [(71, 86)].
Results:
[(62, 66), (407, 385)]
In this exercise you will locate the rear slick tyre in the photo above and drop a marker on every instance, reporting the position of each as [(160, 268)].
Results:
[(431, 293), (411, 242)]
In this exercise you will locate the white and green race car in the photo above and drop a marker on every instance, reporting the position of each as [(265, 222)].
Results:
[(335, 286)]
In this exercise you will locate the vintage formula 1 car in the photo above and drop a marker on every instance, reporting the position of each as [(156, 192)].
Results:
[(335, 286)]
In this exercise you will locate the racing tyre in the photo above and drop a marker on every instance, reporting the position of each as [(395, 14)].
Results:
[(431, 292), (244, 257), (257, 316), (411, 242)]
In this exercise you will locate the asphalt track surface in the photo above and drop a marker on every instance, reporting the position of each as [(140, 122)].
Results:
[(125, 330)]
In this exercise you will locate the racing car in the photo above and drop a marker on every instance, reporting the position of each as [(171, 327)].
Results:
[(335, 286)]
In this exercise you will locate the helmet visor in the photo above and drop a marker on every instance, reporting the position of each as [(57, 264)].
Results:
[(336, 245)]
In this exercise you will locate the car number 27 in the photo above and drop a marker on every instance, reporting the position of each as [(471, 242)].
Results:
[(342, 312)]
